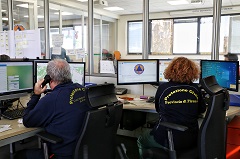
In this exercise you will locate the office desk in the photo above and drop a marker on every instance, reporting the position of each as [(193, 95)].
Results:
[(17, 133), (141, 105)]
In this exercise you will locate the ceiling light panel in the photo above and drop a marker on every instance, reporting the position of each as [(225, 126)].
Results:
[(178, 2)]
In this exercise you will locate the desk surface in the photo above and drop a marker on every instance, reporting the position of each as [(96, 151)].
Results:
[(141, 105), (18, 132)]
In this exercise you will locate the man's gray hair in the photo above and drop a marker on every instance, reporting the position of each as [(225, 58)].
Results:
[(59, 71)]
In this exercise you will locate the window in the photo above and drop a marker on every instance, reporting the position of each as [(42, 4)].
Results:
[(185, 36), (206, 26), (135, 37), (234, 34), (205, 35), (161, 42)]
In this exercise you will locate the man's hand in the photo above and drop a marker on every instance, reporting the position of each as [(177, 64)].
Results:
[(38, 90)]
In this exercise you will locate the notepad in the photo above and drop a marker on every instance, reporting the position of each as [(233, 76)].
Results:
[(234, 100)]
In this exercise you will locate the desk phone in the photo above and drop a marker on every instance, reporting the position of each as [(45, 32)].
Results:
[(120, 91)]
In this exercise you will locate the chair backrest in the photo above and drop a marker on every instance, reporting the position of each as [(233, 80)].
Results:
[(101, 95), (212, 134), (97, 139), (210, 85)]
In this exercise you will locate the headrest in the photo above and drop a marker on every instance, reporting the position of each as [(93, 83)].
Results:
[(101, 95), (210, 85)]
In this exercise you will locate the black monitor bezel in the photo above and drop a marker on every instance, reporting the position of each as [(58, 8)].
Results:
[(133, 83), (46, 61), (17, 93), (237, 72)]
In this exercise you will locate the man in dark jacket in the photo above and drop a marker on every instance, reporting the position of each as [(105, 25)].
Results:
[(61, 112)]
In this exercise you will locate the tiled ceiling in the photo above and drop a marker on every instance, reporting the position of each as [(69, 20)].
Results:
[(136, 6), (129, 6)]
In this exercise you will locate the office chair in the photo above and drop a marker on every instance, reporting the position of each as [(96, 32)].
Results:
[(212, 133), (98, 134)]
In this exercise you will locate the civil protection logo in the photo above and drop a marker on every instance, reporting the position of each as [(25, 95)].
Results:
[(139, 69)]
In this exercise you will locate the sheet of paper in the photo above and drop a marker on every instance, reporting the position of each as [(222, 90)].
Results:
[(4, 128), (106, 67), (56, 50), (57, 40), (80, 53)]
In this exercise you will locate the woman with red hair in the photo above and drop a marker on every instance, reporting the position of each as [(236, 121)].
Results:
[(177, 101)]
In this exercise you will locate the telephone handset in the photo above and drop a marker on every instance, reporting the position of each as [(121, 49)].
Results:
[(47, 79)]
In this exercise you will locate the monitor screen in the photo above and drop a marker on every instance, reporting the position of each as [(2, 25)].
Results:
[(225, 72), (142, 71), (16, 79), (77, 71), (163, 64)]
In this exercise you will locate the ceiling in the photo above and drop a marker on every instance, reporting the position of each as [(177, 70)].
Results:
[(129, 6), (136, 6)]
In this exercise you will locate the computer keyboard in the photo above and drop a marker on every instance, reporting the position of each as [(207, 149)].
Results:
[(13, 114)]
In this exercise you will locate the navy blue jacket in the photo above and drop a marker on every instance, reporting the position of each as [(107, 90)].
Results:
[(178, 103), (60, 112)]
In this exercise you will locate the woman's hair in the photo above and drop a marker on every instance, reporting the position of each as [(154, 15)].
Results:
[(59, 71), (182, 70)]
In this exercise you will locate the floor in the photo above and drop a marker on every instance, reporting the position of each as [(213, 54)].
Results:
[(129, 142)]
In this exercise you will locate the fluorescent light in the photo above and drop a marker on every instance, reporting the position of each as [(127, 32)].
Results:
[(178, 2), (64, 13), (6, 19), (113, 8), (3, 10), (39, 16), (25, 5)]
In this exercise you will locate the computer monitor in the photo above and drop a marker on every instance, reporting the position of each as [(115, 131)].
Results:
[(16, 79), (163, 64), (225, 72), (137, 71), (77, 71)]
